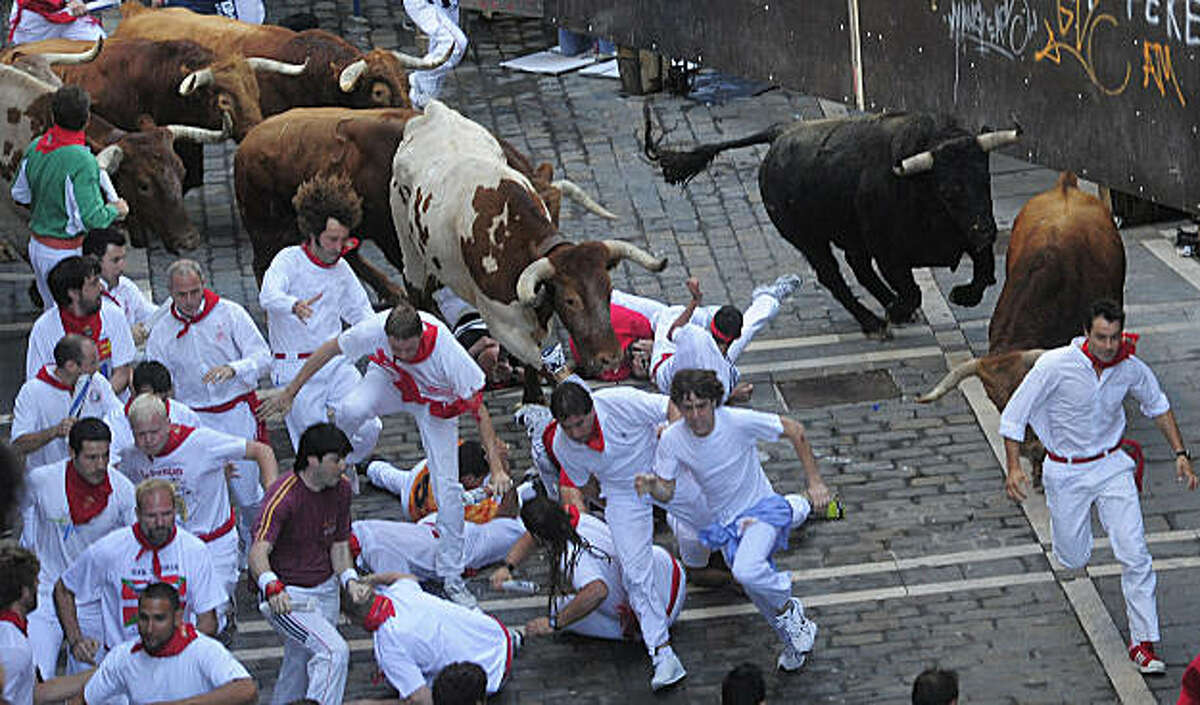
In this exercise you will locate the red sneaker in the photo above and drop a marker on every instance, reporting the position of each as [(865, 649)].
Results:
[(1147, 662)]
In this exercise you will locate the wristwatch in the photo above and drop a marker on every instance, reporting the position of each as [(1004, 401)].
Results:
[(1183, 453)]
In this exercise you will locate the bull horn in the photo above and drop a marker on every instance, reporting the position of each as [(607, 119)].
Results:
[(80, 58), (409, 61), (577, 194), (350, 75), (259, 63), (619, 249), (195, 81), (538, 271), (994, 140), (109, 158), (198, 134), (970, 368), (915, 164)]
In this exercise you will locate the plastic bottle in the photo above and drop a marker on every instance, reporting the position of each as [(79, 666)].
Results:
[(525, 587), (475, 496)]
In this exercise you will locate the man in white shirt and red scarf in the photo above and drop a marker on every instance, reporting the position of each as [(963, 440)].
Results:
[(73, 504), (62, 184), (215, 354), (108, 246), (171, 663), (1072, 397), (80, 308), (34, 20), (417, 367)]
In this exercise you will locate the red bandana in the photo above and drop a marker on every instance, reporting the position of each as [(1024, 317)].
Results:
[(45, 376), (179, 641), (381, 609), (15, 619), (573, 513), (57, 137), (175, 438), (89, 326), (1128, 347), (84, 499), (210, 302), (718, 334), (147, 546), (350, 246), (596, 440), (355, 547)]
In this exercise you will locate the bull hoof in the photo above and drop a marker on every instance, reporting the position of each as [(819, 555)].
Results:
[(900, 316), (966, 295), (881, 333)]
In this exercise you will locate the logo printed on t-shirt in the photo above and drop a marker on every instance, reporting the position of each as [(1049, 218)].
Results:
[(131, 588)]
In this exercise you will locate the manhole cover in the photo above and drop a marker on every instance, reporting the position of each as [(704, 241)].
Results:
[(839, 389)]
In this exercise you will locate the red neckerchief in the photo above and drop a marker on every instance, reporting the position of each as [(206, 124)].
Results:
[(425, 348), (88, 326), (210, 302), (45, 375), (381, 609), (57, 137), (147, 546), (596, 440), (179, 641), (572, 512), (355, 546), (84, 499), (1128, 347), (718, 333), (350, 245), (175, 438), (15, 619)]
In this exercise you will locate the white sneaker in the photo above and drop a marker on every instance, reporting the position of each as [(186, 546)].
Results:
[(667, 669), (780, 289), (458, 593), (790, 659), (801, 633)]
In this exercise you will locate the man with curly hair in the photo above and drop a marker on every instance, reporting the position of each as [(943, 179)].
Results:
[(307, 292)]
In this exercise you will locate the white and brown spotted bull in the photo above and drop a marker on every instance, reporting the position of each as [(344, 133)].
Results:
[(1064, 254), (468, 220)]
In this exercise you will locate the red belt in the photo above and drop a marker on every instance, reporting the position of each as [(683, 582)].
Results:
[(220, 530), (250, 398), (59, 243), (1078, 461), (676, 578), (508, 653), (292, 356)]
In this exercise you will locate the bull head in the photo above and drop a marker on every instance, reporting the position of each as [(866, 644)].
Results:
[(382, 74), (987, 141), (542, 269), (149, 176), (234, 89)]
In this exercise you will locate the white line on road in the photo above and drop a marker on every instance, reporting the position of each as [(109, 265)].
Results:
[(834, 360)]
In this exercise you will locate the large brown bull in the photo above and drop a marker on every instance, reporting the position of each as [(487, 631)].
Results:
[(337, 73), (290, 148), (1064, 254)]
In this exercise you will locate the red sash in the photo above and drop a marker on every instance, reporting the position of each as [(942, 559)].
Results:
[(251, 399), (409, 390)]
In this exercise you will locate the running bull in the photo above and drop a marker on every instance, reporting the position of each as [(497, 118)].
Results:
[(894, 191)]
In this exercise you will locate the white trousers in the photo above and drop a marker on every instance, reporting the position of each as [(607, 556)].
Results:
[(441, 24), (1071, 490), (376, 395), (34, 27), (41, 257), (46, 635), (318, 396), (224, 554), (315, 656), (631, 520), (246, 488), (606, 624)]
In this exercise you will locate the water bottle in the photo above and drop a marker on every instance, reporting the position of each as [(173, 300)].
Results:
[(524, 587), (475, 496)]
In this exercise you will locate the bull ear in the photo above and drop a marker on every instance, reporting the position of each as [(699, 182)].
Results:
[(544, 172)]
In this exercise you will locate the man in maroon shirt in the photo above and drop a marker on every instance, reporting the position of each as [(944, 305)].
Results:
[(300, 553)]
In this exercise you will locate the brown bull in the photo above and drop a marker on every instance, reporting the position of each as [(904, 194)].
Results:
[(1064, 254), (337, 73), (290, 148)]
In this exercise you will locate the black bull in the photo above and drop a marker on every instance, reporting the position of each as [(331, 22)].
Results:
[(893, 191)]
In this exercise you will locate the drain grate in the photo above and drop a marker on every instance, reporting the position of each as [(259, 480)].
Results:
[(848, 388)]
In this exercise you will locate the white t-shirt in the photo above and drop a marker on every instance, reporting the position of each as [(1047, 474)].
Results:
[(16, 658), (427, 634), (193, 460), (44, 401), (52, 535), (225, 336), (115, 343), (693, 348), (128, 671), (629, 420), (725, 462), (448, 374), (293, 276), (137, 307), (112, 571), (398, 546)]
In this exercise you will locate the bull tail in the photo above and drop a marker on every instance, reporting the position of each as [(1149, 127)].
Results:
[(970, 368), (1067, 180), (681, 167)]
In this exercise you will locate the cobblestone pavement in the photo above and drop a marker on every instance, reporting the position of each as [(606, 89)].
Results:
[(933, 565)]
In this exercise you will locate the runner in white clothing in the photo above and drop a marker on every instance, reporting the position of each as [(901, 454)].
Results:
[(438, 19), (193, 460), (171, 663), (73, 504), (108, 246), (19, 682), (587, 594), (119, 566), (308, 292), (49, 404), (416, 635), (382, 546), (416, 367), (717, 446), (1073, 399), (413, 488), (81, 309)]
